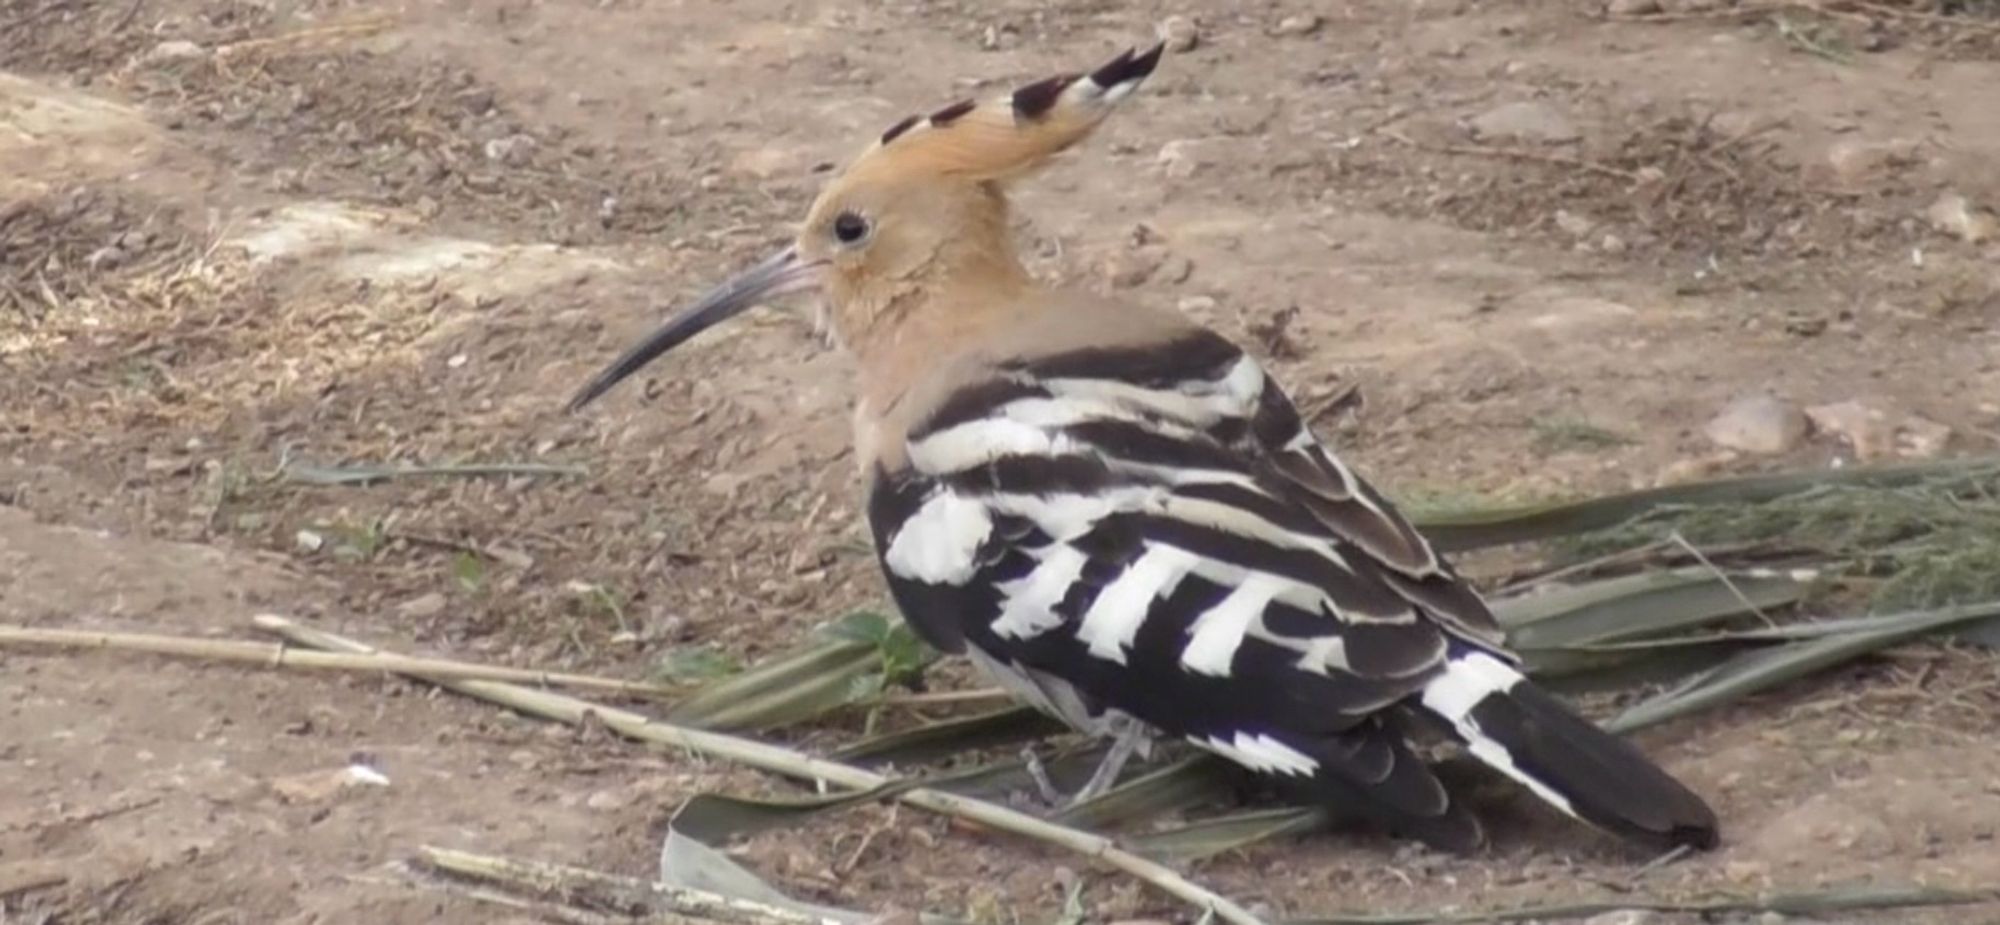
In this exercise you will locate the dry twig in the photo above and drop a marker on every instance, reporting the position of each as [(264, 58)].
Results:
[(779, 760), (634, 899), (360, 27), (1937, 19), (275, 655), (945, 698)]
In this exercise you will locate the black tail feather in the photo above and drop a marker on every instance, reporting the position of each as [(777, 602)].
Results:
[(1527, 734), (1604, 779)]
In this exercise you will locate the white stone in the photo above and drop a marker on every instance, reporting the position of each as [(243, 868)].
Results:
[(1760, 424), (1526, 120)]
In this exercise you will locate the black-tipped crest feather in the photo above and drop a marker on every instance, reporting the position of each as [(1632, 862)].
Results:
[(950, 114), (1036, 99), (1127, 67), (909, 122)]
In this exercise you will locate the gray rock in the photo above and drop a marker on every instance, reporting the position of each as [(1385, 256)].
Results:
[(1180, 33), (1299, 24), (1879, 430), (1953, 214), (1856, 161), (1759, 424), (1527, 120), (429, 605), (1574, 225), (173, 50), (1625, 917), (1182, 157)]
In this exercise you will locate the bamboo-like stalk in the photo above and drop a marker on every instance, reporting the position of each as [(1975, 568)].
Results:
[(278, 655), (1814, 903), (631, 896), (779, 760), (943, 698), (541, 910)]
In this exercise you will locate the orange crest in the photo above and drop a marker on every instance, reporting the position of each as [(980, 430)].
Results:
[(1009, 136)]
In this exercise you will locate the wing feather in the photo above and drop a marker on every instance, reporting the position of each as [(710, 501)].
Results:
[(1157, 534)]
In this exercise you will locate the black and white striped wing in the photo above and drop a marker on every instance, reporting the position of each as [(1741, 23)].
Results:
[(1154, 532)]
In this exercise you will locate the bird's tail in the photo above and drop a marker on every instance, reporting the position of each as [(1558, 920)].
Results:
[(1525, 733)]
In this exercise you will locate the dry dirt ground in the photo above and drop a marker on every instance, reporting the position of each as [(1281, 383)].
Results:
[(240, 233)]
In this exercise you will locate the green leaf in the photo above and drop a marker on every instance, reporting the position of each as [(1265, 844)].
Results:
[(1584, 671), (362, 541), (1189, 782), (695, 663), (1636, 606), (864, 627), (904, 656), (950, 738), (1556, 435), (788, 689), (1073, 911), (689, 860), (716, 818), (1455, 531), (469, 569), (1623, 665), (1762, 669), (1067, 770), (1981, 632), (866, 687), (1210, 837)]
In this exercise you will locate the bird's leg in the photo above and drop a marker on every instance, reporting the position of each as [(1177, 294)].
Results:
[(1128, 738), (1040, 775)]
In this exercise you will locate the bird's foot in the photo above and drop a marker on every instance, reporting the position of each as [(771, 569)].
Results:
[(1129, 738), (1039, 773)]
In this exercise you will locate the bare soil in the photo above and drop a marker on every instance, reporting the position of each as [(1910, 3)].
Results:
[(238, 233)]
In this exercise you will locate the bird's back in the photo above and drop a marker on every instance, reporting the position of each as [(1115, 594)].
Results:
[(1119, 512)]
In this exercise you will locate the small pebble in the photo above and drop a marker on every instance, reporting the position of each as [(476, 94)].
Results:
[(1853, 161), (1876, 431), (513, 150), (1301, 24), (1624, 917), (1922, 438), (1180, 33), (1525, 120), (429, 605), (173, 50), (1572, 224), (1126, 269), (1953, 214)]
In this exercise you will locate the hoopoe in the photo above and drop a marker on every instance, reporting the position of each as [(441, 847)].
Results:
[(1117, 514)]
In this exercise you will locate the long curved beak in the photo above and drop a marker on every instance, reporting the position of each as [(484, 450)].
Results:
[(775, 275)]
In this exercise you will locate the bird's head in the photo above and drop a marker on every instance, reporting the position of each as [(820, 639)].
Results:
[(922, 210)]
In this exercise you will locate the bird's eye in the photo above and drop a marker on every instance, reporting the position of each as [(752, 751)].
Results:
[(849, 227)]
